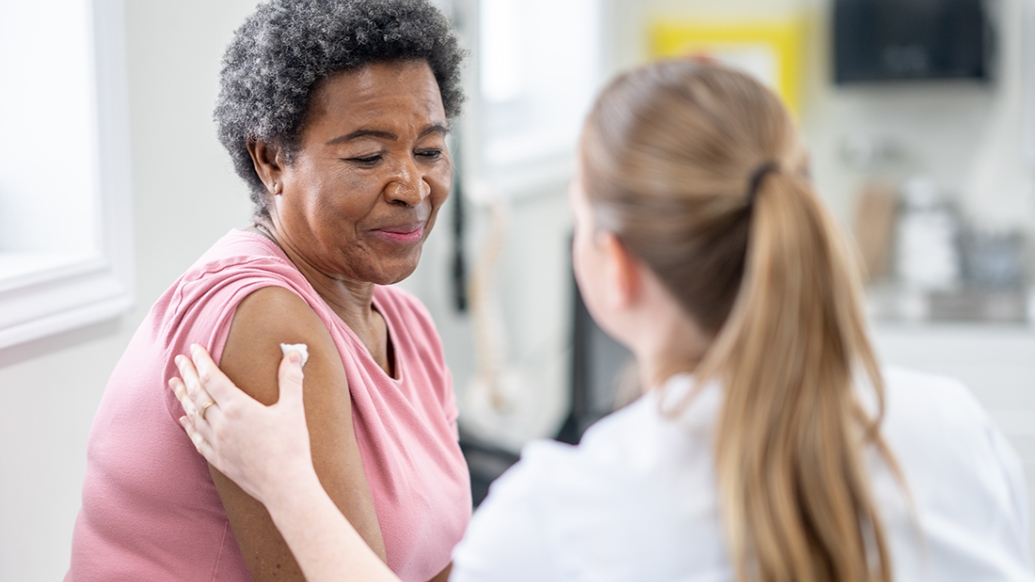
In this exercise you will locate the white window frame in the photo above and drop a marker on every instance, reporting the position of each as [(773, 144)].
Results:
[(51, 292)]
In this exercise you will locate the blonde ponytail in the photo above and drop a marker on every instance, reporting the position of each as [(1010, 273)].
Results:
[(795, 492), (699, 171)]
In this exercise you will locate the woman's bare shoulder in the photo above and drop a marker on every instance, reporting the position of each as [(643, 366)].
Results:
[(263, 320), (266, 318)]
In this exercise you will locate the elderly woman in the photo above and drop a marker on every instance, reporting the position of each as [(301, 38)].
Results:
[(335, 113)]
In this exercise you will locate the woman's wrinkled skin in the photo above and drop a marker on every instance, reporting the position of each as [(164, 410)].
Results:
[(360, 196)]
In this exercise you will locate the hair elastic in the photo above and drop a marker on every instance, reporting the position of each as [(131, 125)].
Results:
[(756, 178)]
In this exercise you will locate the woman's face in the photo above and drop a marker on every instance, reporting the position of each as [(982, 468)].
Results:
[(361, 194)]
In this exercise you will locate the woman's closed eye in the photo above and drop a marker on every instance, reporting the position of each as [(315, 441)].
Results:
[(370, 160), (429, 154)]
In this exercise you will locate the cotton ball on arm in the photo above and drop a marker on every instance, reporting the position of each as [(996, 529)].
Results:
[(300, 348)]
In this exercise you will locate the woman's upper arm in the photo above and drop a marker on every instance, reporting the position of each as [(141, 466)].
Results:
[(264, 320)]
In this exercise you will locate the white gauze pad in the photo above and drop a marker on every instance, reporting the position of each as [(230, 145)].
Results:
[(300, 348)]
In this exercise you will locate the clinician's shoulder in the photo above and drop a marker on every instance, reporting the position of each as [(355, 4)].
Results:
[(549, 469), (634, 454), (628, 503), (950, 395), (930, 405), (965, 480), (934, 425), (629, 446)]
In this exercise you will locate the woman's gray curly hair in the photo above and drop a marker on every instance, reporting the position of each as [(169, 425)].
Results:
[(284, 48)]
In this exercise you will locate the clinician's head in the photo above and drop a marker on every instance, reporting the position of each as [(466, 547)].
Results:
[(669, 154), (695, 175)]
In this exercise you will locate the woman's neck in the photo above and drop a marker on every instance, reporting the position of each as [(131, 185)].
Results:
[(352, 301)]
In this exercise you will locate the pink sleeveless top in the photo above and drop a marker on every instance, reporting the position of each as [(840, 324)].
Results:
[(150, 510)]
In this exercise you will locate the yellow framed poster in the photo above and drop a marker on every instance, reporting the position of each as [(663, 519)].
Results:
[(769, 50)]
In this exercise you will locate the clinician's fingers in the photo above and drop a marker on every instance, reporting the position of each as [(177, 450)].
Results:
[(178, 389), (204, 403), (191, 418), (200, 414), (197, 401), (200, 443), (290, 375), (194, 380), (189, 375), (186, 402)]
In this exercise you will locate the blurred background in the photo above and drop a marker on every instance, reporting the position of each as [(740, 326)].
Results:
[(919, 115)]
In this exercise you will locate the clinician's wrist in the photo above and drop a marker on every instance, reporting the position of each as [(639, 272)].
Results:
[(292, 492)]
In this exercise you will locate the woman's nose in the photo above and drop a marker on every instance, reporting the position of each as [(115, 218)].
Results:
[(408, 186)]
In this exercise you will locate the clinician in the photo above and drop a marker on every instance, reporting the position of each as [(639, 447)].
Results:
[(771, 446)]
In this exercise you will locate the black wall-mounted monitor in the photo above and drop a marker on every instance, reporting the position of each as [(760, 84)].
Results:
[(886, 40)]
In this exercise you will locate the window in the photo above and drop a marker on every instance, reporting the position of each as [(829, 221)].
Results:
[(538, 68), (65, 222)]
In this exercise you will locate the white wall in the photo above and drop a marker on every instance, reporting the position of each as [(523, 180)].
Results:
[(185, 197)]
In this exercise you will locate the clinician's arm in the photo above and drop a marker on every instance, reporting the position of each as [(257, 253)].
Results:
[(265, 450)]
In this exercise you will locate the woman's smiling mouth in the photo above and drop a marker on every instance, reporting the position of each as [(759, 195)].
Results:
[(401, 234)]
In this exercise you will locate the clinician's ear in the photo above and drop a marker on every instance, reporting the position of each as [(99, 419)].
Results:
[(269, 164), (622, 276)]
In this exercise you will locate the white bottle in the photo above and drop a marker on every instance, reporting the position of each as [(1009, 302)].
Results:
[(927, 246)]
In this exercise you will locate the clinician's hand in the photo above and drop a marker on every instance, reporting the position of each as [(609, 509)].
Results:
[(264, 449)]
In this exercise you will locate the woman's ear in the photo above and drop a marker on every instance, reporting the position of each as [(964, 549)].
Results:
[(268, 163), (622, 277)]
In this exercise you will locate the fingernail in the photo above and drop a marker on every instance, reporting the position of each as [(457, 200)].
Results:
[(179, 360), (194, 348), (294, 357)]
